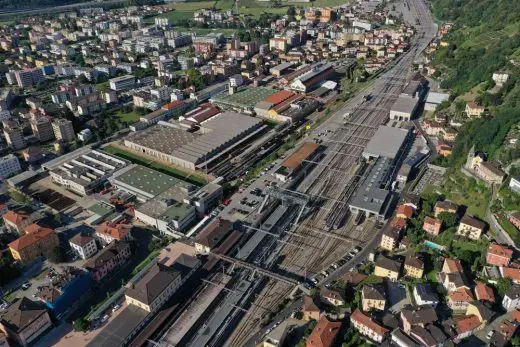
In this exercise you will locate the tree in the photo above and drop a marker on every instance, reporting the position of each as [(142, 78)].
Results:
[(503, 285), (56, 255), (81, 324), (8, 269), (449, 219), (291, 11)]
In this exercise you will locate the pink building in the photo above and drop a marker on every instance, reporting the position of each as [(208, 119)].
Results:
[(108, 259)]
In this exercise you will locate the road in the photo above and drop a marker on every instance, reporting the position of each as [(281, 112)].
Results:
[(56, 9)]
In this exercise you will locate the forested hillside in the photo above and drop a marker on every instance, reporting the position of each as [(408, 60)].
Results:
[(484, 39)]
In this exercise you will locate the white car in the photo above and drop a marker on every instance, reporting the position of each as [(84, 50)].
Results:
[(490, 334)]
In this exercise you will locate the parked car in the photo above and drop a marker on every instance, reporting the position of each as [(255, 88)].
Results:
[(26, 286)]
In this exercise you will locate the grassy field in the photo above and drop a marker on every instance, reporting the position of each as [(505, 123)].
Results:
[(182, 11), (130, 117), (191, 6), (508, 227), (466, 191), (225, 4), (198, 180)]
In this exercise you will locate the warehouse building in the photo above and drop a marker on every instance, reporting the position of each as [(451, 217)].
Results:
[(374, 196), (168, 204), (243, 100), (404, 108), (84, 169), (386, 142), (169, 142), (297, 161), (319, 73)]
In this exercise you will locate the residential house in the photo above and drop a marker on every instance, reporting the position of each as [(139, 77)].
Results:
[(154, 288), (482, 310), (499, 255), (505, 332), (25, 321), (459, 299), (108, 259), (511, 273), (421, 316), (444, 206), (390, 238), (430, 335), (368, 327), (37, 241), (324, 333), (373, 296), (109, 233), (405, 212), (413, 266), (453, 281), (432, 226), (470, 227), (353, 278), (463, 327), (451, 266), (474, 110), (500, 78), (83, 245), (515, 218), (399, 338), (213, 235), (424, 294), (484, 293), (16, 221), (386, 267), (334, 297), (511, 299), (310, 310)]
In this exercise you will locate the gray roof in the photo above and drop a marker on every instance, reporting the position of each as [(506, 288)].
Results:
[(405, 104), (152, 284), (372, 195), (425, 292), (115, 332), (386, 142)]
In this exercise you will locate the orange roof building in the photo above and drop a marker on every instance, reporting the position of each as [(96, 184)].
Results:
[(499, 255), (405, 212), (511, 273), (17, 221), (324, 333), (452, 266), (484, 293), (432, 225), (113, 232), (37, 241)]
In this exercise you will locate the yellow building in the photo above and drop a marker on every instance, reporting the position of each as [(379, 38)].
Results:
[(386, 267), (156, 286), (373, 297), (413, 266), (36, 242), (389, 239), (470, 227)]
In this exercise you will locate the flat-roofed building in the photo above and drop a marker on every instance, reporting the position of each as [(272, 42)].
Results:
[(122, 83), (404, 108), (386, 142), (194, 151), (63, 130), (84, 169)]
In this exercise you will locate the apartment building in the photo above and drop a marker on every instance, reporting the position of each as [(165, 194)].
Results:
[(9, 166), (37, 241), (63, 130), (42, 128)]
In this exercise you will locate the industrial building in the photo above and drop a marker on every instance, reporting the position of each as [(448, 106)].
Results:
[(374, 197), (404, 108), (243, 100), (285, 106), (318, 73), (170, 143), (84, 169), (169, 204), (293, 165), (386, 142)]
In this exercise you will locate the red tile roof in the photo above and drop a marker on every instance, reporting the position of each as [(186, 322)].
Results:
[(324, 333), (172, 104), (37, 234), (511, 273), (467, 323), (501, 251), (405, 210), (454, 265), (16, 217), (116, 231), (516, 315), (461, 295), (365, 320), (484, 292), (278, 97)]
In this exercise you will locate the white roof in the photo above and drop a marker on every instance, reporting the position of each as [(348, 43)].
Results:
[(437, 98)]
